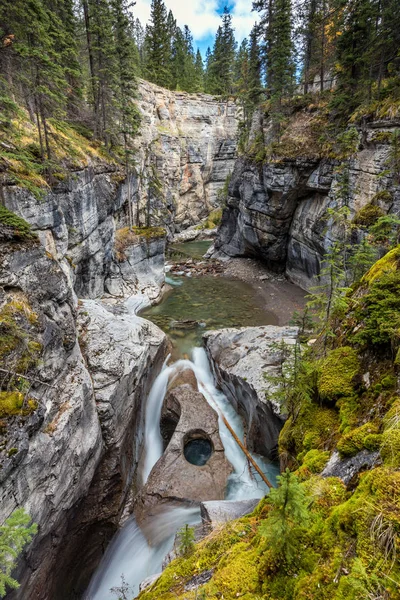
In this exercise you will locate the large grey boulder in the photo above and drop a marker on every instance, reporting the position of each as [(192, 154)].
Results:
[(215, 513), (239, 358)]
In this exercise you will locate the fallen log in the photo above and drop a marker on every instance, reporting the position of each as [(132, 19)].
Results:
[(247, 453)]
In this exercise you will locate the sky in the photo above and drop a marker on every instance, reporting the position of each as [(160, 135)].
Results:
[(203, 17)]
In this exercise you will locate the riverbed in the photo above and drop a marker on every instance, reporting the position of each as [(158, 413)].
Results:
[(244, 295)]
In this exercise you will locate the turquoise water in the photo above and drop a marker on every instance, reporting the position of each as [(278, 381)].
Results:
[(208, 303), (195, 249)]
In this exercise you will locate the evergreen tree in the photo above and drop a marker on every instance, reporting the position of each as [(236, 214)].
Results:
[(36, 52), (198, 84), (125, 91), (158, 46), (281, 64), (288, 515), (14, 535), (220, 70)]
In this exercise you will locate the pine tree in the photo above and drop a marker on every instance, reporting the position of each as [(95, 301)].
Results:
[(288, 515), (125, 90), (198, 84), (158, 46), (36, 51), (14, 535), (220, 70), (281, 64)]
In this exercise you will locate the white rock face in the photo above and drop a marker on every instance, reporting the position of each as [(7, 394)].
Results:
[(74, 458), (140, 271), (240, 357), (191, 140)]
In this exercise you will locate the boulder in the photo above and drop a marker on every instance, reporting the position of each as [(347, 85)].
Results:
[(239, 358)]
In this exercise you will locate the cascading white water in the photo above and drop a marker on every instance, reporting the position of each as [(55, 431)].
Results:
[(130, 555), (242, 483), (153, 442), (130, 552)]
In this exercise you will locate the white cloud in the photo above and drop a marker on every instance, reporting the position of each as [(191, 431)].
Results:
[(201, 16)]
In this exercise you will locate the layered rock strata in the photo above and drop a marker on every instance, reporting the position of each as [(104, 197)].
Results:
[(191, 139), (70, 457), (278, 210), (240, 358)]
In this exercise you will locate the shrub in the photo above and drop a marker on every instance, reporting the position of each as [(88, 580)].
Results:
[(368, 215)]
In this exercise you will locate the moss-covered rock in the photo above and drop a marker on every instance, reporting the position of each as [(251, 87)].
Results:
[(19, 228), (313, 462), (355, 440), (390, 442), (315, 427), (337, 373), (368, 215), (10, 403)]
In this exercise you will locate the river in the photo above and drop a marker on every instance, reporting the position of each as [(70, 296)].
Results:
[(207, 302)]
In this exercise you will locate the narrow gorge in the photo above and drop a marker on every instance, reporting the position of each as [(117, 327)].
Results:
[(152, 368)]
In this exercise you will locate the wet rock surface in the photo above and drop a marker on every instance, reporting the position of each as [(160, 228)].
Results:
[(239, 358), (215, 513), (173, 478), (348, 468)]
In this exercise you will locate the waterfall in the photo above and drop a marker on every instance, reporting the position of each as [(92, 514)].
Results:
[(242, 484), (131, 553), (131, 556)]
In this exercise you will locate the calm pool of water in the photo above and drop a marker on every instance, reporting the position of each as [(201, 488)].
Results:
[(195, 249), (208, 303)]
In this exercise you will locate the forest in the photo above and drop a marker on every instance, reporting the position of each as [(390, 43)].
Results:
[(78, 63)]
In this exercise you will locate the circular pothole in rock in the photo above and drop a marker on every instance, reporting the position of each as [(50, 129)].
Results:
[(198, 451)]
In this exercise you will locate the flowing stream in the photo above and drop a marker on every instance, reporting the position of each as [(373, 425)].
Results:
[(136, 554)]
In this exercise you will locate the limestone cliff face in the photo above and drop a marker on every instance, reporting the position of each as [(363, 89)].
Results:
[(70, 459), (76, 222), (278, 210), (190, 140), (186, 149)]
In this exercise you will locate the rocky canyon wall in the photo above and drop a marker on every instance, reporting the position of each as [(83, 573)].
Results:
[(184, 153), (190, 141), (277, 210)]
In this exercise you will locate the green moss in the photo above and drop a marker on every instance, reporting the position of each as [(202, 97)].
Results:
[(237, 575), (314, 461), (353, 442), (325, 493), (382, 196), (373, 441), (397, 359), (337, 373), (315, 428), (387, 264), (12, 451), (349, 408), (10, 403), (368, 215), (21, 229), (390, 446), (20, 348), (377, 313), (213, 220)]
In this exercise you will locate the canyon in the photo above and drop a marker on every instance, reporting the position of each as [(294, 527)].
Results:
[(83, 279)]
